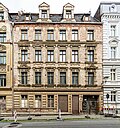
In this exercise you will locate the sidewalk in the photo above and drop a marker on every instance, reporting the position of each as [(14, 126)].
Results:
[(54, 117)]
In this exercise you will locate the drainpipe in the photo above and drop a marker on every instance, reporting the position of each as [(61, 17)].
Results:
[(12, 37)]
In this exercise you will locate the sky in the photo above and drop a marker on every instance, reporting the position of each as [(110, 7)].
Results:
[(56, 6)]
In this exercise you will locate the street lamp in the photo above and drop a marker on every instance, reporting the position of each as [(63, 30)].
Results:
[(107, 96)]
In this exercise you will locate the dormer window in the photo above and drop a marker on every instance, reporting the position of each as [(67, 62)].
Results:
[(68, 14), (113, 8), (44, 14), (1, 15)]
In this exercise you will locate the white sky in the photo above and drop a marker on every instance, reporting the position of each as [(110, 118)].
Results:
[(56, 6)]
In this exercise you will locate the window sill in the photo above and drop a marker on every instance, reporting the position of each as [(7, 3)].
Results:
[(23, 62), (90, 85), (62, 85), (90, 40), (50, 40), (75, 40), (62, 40), (75, 85), (90, 62), (24, 85), (23, 40), (37, 61)]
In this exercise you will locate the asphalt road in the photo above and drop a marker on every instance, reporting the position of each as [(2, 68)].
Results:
[(109, 123)]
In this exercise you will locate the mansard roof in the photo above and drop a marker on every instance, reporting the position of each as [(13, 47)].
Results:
[(53, 17)]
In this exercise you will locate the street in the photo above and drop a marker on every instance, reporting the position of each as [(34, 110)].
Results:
[(98, 123)]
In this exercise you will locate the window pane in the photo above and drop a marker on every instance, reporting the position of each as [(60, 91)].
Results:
[(24, 55), (37, 77), (74, 56), (2, 80), (50, 34), (23, 77), (24, 101), (38, 101), (50, 55), (62, 34), (44, 14), (1, 15), (62, 55), (38, 56), (2, 36), (90, 34), (113, 30), (113, 52), (62, 77), (113, 74), (2, 58), (90, 78), (38, 35), (50, 77), (74, 34), (90, 55), (50, 100), (68, 14), (74, 77), (24, 34)]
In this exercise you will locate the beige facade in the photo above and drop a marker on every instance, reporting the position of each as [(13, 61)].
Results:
[(57, 62), (54, 72), (5, 61)]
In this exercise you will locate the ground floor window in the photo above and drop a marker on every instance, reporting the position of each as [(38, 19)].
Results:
[(50, 100), (2, 102), (38, 101), (24, 101)]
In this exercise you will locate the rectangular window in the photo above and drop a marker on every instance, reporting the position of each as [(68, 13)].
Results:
[(74, 55), (62, 77), (38, 101), (44, 14), (90, 78), (50, 35), (2, 102), (24, 34), (38, 55), (90, 34), (2, 80), (68, 14), (2, 57), (113, 74), (113, 96), (24, 78), (2, 36), (62, 34), (38, 35), (24, 55), (62, 55), (50, 54), (113, 52), (24, 101), (37, 77), (75, 78), (90, 55), (1, 15), (74, 34), (50, 100), (50, 76), (113, 30)]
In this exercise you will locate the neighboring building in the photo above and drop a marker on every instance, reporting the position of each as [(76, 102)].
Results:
[(5, 61), (109, 14), (57, 62)]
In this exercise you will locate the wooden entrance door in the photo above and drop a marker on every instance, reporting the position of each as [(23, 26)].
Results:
[(75, 104)]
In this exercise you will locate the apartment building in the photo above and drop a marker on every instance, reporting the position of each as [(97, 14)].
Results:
[(5, 60), (57, 62), (109, 14)]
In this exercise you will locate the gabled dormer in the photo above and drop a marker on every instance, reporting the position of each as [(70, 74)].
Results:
[(68, 12), (44, 12), (3, 12)]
